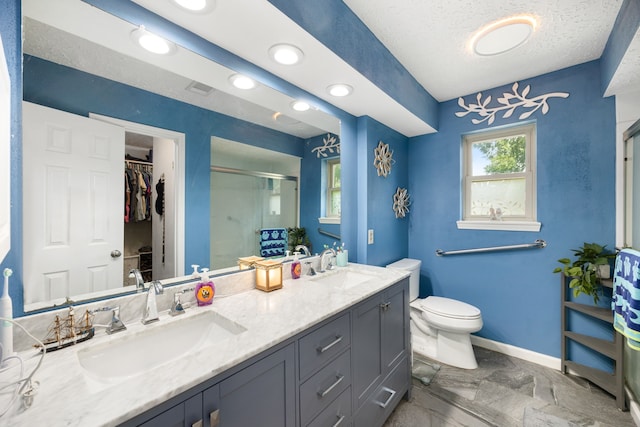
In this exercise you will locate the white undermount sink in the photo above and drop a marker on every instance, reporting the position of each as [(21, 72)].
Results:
[(342, 277), (138, 352)]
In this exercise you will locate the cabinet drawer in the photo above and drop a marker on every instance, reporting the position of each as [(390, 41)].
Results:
[(322, 388), (378, 406), (337, 414), (321, 345)]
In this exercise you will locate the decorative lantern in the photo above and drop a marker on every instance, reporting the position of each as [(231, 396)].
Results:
[(268, 275), (248, 262)]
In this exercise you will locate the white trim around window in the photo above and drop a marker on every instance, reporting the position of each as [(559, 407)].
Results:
[(523, 215)]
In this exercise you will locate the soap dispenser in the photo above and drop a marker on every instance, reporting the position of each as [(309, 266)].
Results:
[(296, 268), (205, 290)]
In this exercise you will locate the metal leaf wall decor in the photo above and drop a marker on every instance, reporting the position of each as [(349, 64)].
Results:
[(330, 144), (507, 104), (383, 159), (401, 202)]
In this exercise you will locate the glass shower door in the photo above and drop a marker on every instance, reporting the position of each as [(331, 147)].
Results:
[(243, 203)]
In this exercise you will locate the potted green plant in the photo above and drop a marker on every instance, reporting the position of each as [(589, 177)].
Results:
[(585, 271)]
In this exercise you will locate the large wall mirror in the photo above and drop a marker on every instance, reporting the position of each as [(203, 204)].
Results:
[(174, 114)]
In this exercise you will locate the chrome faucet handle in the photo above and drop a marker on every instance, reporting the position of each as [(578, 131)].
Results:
[(311, 271), (116, 324), (177, 307)]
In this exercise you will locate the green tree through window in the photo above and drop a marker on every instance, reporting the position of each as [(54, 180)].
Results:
[(505, 155)]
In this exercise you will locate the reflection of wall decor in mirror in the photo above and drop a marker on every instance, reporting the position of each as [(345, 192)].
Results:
[(508, 103), (330, 143), (401, 202), (96, 73), (383, 159)]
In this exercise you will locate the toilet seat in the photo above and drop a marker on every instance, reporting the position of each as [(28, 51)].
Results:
[(447, 307)]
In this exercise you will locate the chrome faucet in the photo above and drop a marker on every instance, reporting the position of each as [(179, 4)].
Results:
[(116, 324), (151, 309), (177, 307), (328, 265), (305, 250), (135, 273)]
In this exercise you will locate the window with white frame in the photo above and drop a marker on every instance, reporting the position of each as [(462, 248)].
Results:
[(333, 192), (499, 185)]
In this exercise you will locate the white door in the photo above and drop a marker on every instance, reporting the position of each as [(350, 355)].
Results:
[(73, 204)]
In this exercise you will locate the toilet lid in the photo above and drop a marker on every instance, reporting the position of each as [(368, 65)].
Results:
[(448, 307)]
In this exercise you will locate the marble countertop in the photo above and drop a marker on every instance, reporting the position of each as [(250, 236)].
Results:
[(68, 396)]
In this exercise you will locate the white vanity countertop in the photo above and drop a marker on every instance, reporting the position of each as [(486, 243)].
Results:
[(68, 396)]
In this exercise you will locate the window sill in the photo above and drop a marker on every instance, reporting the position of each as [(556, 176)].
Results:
[(329, 220), (499, 225)]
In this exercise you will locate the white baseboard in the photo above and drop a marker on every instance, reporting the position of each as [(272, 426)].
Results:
[(520, 353), (544, 360), (634, 408)]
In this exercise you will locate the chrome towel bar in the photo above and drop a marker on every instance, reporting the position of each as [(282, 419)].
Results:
[(538, 244), (326, 233)]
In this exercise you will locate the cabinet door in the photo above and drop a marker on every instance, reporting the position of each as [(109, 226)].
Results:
[(395, 329), (185, 414), (366, 341), (262, 394)]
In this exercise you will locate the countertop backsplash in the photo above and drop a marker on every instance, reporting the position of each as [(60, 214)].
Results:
[(132, 305)]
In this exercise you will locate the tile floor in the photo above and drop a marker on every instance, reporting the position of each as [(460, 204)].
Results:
[(505, 391)]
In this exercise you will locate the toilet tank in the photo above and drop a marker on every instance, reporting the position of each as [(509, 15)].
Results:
[(412, 266)]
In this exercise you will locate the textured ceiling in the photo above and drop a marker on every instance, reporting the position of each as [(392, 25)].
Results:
[(430, 38)]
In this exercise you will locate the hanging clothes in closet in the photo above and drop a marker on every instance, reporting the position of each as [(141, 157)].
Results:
[(138, 185)]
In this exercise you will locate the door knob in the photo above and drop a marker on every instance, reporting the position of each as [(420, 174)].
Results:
[(115, 253)]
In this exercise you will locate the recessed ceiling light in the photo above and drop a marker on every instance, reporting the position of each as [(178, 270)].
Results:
[(286, 54), (196, 6), (152, 42), (503, 35), (340, 89), (242, 82), (300, 105)]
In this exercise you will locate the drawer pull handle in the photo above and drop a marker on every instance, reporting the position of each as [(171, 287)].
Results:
[(391, 394), (214, 418), (331, 344), (340, 420), (385, 306), (197, 424), (338, 380)]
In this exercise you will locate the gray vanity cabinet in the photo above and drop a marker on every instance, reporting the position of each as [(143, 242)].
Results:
[(351, 369), (381, 350), (187, 413), (262, 394)]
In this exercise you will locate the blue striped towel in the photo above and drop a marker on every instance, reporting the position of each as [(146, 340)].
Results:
[(273, 242), (626, 296)]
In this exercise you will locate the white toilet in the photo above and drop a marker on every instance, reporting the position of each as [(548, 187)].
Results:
[(440, 327)]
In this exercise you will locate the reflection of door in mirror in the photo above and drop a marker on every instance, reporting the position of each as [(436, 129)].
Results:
[(75, 203), (72, 180), (632, 184)]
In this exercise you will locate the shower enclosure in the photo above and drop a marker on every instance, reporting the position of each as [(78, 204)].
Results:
[(244, 202)]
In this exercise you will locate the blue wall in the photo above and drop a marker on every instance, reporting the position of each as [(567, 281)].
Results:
[(517, 291), (76, 92), (376, 195), (312, 184)]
